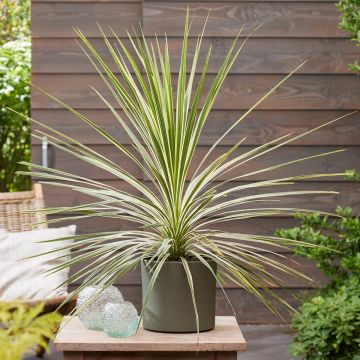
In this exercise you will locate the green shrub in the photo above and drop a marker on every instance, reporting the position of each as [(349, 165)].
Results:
[(15, 59), (350, 22), (14, 130), (15, 20), (341, 234), (328, 325), (23, 329)]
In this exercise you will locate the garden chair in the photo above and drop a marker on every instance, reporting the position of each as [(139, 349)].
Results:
[(15, 216)]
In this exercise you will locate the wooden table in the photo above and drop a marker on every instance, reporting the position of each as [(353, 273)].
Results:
[(79, 343)]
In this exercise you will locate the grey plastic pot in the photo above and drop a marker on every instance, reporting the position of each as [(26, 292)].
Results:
[(170, 307)]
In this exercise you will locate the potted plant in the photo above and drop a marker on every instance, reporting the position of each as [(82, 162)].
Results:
[(181, 252)]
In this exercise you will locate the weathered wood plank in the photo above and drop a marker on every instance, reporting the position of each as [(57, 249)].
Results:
[(302, 265), (226, 336), (349, 195), (247, 308), (260, 55), (325, 164), (259, 126), (239, 92), (260, 226), (57, 19), (280, 19)]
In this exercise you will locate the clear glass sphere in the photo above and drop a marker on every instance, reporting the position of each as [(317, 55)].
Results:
[(119, 320), (91, 301)]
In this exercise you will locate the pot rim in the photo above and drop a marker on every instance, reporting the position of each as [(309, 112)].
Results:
[(179, 261)]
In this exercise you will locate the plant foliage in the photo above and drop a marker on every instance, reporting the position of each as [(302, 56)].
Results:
[(15, 58), (328, 325), (181, 204), (350, 22), (15, 20), (338, 254), (23, 328), (14, 129)]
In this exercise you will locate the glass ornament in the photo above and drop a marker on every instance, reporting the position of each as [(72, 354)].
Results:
[(119, 320), (91, 304)]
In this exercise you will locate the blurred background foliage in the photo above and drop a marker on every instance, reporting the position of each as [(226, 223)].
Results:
[(15, 62), (25, 329), (350, 22)]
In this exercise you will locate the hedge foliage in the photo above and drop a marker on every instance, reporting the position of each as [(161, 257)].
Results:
[(15, 60), (350, 22), (328, 325)]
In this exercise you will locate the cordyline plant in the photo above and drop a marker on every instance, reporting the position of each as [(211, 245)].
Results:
[(182, 202)]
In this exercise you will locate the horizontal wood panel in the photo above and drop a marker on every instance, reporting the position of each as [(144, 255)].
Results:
[(248, 309), (265, 56), (239, 92), (259, 126), (259, 226), (349, 195), (282, 19), (327, 164), (255, 226), (302, 265), (57, 19)]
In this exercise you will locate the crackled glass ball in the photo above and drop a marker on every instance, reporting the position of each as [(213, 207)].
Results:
[(119, 320), (90, 313)]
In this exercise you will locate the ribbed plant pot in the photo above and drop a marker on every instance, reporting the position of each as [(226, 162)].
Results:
[(170, 307)]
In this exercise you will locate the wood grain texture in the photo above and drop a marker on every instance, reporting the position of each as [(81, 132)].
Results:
[(326, 164), (259, 126), (57, 19), (348, 195), (292, 31), (259, 56), (307, 267), (239, 92), (260, 226), (279, 19), (226, 336)]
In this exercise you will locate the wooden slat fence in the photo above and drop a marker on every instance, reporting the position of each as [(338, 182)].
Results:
[(291, 32)]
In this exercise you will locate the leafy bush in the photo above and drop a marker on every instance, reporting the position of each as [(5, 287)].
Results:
[(15, 20), (341, 234), (328, 325), (14, 92), (23, 329), (14, 130), (350, 22)]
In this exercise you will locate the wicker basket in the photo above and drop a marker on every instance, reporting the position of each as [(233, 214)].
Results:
[(15, 210)]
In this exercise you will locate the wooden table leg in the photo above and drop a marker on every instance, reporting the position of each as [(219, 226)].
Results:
[(74, 355)]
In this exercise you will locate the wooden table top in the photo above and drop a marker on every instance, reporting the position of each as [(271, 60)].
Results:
[(226, 336)]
